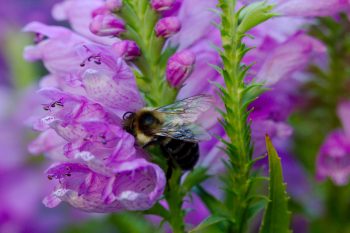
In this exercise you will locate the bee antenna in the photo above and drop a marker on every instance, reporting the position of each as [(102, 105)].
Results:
[(127, 115)]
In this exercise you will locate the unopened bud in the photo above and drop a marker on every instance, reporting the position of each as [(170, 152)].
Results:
[(114, 5), (167, 26), (107, 25), (179, 67), (162, 5), (103, 10), (126, 49)]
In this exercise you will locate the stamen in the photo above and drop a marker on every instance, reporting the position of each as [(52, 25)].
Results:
[(95, 58), (38, 38)]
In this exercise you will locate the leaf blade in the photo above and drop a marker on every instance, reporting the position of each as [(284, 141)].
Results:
[(277, 217)]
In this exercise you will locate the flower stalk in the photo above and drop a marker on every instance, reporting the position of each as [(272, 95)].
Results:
[(141, 26), (236, 95), (141, 20)]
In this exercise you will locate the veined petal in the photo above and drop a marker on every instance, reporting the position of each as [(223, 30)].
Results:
[(289, 57), (311, 8), (135, 185), (118, 92), (79, 14)]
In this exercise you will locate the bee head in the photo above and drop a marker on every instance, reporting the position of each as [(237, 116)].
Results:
[(128, 122)]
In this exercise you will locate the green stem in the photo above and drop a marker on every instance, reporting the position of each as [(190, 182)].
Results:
[(140, 21), (174, 197), (235, 118)]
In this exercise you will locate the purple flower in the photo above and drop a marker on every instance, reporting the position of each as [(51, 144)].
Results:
[(167, 26), (130, 185), (282, 60), (126, 49), (311, 8), (179, 67), (79, 13), (114, 5), (89, 88), (107, 25), (334, 156), (162, 5)]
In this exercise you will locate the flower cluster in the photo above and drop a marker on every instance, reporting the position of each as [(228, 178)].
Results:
[(89, 87), (91, 84)]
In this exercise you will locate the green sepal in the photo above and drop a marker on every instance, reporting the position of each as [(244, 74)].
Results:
[(197, 176), (208, 222)]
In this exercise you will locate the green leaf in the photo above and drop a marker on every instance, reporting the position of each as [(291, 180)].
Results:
[(253, 15), (277, 217), (158, 210), (212, 203), (195, 177), (211, 220)]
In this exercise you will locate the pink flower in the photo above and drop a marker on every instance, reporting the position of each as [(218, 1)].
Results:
[(162, 5), (334, 157), (126, 49), (107, 25), (89, 88), (311, 8), (114, 5), (179, 67), (167, 27), (79, 13)]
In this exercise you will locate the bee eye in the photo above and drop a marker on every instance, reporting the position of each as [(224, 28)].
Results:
[(147, 120)]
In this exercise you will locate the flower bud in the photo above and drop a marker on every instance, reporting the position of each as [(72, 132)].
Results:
[(167, 26), (107, 25), (162, 5), (114, 5), (103, 10), (126, 49), (179, 67)]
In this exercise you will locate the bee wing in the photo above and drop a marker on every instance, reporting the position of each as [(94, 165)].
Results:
[(180, 116), (186, 111), (190, 133)]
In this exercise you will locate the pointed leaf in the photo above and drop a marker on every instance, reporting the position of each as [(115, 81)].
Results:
[(211, 220), (277, 217), (197, 176)]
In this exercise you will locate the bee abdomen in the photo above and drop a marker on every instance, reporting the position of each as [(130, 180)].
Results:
[(186, 154)]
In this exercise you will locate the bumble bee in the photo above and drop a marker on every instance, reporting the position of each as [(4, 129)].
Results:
[(173, 128)]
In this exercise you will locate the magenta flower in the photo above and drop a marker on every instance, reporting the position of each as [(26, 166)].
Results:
[(167, 27), (114, 5), (89, 88), (107, 25), (79, 14), (179, 67), (126, 49), (311, 8), (334, 157), (162, 5)]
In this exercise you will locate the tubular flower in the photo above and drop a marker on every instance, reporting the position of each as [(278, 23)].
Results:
[(114, 5), (126, 49), (167, 27), (107, 25), (179, 67), (162, 5), (98, 168), (334, 156)]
